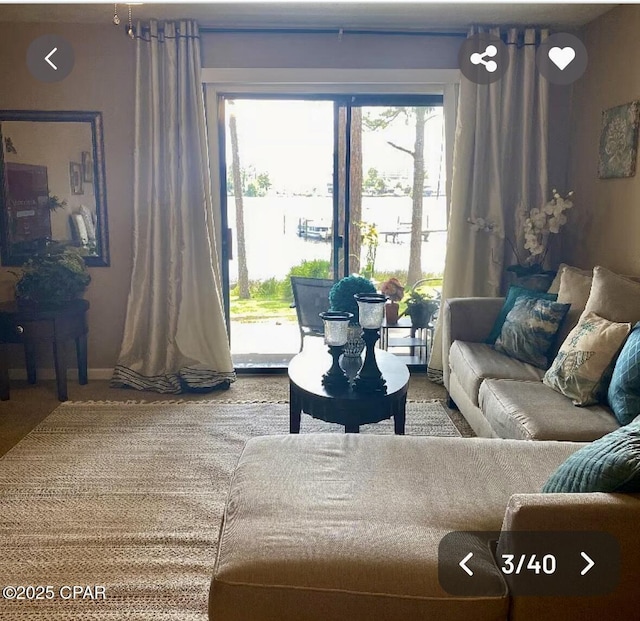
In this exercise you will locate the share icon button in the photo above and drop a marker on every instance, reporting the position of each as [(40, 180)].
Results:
[(483, 58)]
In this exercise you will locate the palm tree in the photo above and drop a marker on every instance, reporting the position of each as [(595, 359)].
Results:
[(243, 273)]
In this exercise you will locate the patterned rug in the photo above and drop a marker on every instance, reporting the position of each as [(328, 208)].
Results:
[(128, 498)]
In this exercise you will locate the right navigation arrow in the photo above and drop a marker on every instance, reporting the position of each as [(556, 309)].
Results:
[(590, 563)]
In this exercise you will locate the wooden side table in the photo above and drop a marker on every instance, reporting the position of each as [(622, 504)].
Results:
[(31, 326)]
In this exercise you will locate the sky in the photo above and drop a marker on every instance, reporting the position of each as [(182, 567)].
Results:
[(292, 140)]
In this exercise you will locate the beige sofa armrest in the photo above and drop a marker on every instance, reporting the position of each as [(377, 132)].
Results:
[(466, 319), (596, 511), (617, 514)]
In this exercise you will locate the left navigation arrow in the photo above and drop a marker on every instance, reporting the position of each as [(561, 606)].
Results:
[(48, 58), (463, 563)]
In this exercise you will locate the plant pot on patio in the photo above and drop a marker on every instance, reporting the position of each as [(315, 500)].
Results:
[(391, 312)]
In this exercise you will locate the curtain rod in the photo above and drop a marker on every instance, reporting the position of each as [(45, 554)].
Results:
[(334, 31)]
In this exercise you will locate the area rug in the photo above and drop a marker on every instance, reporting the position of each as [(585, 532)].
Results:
[(129, 498)]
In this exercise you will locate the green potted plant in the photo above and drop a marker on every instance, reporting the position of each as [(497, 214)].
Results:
[(341, 298), (421, 305), (55, 275)]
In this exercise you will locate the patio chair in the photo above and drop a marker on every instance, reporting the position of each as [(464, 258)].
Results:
[(310, 298)]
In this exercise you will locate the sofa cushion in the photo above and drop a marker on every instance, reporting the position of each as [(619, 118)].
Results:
[(610, 464), (624, 389), (473, 362), (533, 411), (529, 330), (512, 295), (327, 527), (614, 297), (582, 369)]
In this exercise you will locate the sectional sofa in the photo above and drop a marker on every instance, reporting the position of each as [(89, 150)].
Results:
[(330, 527)]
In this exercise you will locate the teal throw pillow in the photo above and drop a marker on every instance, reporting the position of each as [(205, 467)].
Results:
[(512, 295), (530, 329), (610, 464), (624, 389)]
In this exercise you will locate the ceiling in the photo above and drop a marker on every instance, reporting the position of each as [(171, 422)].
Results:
[(347, 15)]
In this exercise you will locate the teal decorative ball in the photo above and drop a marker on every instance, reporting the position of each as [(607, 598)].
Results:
[(341, 294)]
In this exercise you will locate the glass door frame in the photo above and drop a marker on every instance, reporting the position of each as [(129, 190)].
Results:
[(340, 237)]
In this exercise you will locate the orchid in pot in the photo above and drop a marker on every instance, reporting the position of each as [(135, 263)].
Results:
[(538, 224)]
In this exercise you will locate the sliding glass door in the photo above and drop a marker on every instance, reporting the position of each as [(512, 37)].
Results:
[(308, 182)]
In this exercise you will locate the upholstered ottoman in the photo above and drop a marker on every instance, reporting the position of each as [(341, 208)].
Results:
[(335, 527)]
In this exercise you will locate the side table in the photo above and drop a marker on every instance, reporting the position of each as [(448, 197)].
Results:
[(417, 339), (32, 326)]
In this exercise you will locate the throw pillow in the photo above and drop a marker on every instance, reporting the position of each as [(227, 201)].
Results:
[(614, 297), (624, 389), (529, 330), (610, 464), (512, 295), (555, 285), (579, 369), (574, 288)]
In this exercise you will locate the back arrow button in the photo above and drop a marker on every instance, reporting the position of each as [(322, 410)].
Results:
[(48, 58), (463, 563), (41, 54)]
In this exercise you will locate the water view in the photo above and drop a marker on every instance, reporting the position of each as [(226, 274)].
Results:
[(273, 245)]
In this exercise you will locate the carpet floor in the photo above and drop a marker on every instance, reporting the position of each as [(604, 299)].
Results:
[(129, 497), (31, 404)]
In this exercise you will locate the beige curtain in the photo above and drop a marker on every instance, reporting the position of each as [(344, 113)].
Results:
[(175, 338), (499, 168)]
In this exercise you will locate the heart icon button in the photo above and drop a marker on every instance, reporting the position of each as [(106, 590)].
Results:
[(562, 57)]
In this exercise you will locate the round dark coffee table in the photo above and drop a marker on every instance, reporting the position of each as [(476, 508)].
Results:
[(351, 409)]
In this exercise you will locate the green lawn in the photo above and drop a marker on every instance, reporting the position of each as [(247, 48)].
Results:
[(251, 310)]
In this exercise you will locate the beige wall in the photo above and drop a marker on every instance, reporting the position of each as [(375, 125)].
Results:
[(102, 79), (605, 225), (328, 51)]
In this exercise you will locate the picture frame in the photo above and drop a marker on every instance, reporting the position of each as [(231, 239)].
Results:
[(87, 167), (618, 151), (75, 178)]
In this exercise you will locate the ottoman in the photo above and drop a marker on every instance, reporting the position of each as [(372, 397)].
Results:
[(329, 527)]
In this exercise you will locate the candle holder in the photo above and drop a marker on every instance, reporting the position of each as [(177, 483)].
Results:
[(371, 311), (335, 336)]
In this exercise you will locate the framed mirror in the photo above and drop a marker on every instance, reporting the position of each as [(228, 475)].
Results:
[(52, 184)]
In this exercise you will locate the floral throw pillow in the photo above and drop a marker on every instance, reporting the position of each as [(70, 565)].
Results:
[(529, 330), (582, 368)]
